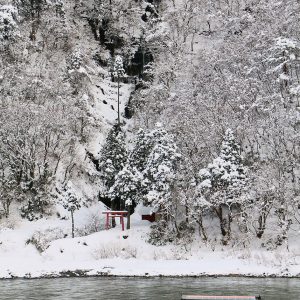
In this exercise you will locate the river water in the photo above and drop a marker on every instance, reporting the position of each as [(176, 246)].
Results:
[(113, 288)]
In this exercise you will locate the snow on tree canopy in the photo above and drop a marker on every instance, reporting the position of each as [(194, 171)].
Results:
[(113, 156), (160, 168), (226, 174), (150, 170), (126, 186), (8, 26), (143, 144), (69, 198), (283, 58), (285, 43), (75, 60), (118, 66)]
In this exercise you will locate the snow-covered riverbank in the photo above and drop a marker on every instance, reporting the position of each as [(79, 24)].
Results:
[(27, 251)]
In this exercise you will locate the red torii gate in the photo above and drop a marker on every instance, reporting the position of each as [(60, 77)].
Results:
[(115, 214)]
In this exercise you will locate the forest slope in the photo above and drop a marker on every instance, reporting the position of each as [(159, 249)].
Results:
[(190, 108)]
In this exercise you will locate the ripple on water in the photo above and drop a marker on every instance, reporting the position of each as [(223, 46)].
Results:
[(113, 288)]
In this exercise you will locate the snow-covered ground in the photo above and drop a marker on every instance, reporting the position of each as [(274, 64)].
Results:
[(113, 252)]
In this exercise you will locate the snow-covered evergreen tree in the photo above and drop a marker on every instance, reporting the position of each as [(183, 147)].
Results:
[(223, 181), (143, 145), (126, 189), (113, 156), (284, 60), (118, 67), (118, 72), (226, 174), (70, 200), (150, 171), (128, 182), (112, 160), (126, 186), (160, 170)]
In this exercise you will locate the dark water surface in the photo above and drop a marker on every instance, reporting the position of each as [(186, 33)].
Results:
[(146, 288)]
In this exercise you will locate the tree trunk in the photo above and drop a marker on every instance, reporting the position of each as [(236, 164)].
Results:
[(261, 225), (229, 225), (113, 207), (119, 100), (6, 206), (72, 217), (186, 213), (128, 216), (225, 224), (219, 212), (202, 230), (209, 27), (192, 41)]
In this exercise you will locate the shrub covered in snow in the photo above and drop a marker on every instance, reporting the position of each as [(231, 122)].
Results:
[(42, 239), (161, 233), (93, 224), (115, 250)]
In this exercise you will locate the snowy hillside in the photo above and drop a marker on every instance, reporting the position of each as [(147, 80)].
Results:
[(188, 109), (32, 250)]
